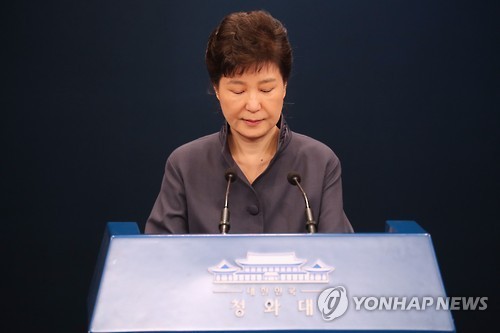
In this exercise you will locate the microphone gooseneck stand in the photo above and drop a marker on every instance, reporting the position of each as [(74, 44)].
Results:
[(224, 224), (294, 179)]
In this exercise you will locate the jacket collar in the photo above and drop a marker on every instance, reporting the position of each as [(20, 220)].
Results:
[(285, 136)]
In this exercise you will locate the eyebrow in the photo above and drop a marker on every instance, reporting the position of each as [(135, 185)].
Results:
[(234, 81)]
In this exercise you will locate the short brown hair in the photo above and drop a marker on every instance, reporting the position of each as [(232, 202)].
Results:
[(245, 41)]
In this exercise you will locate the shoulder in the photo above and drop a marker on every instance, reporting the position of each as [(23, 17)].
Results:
[(201, 144), (196, 150), (305, 145)]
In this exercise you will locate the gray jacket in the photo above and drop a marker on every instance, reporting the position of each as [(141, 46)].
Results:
[(193, 189)]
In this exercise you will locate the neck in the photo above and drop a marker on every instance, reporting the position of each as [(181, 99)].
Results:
[(243, 149)]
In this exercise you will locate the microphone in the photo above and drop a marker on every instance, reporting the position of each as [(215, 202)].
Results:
[(294, 179), (224, 220)]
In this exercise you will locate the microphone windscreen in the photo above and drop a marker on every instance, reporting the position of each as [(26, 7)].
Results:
[(292, 176), (230, 175)]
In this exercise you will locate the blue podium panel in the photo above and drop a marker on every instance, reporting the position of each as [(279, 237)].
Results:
[(343, 282)]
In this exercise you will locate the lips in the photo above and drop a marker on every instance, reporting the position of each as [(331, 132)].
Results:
[(252, 122)]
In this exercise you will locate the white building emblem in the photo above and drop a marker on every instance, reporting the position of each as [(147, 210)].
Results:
[(270, 268)]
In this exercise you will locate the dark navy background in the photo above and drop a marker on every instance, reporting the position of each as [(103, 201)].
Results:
[(98, 93)]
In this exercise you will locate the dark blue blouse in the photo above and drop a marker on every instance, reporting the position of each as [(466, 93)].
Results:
[(193, 189)]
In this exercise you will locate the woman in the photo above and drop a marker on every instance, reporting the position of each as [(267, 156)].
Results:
[(249, 59)]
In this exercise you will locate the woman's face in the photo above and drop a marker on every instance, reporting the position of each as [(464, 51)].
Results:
[(252, 102)]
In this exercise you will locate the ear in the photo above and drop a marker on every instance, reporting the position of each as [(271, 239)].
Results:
[(216, 92), (284, 90)]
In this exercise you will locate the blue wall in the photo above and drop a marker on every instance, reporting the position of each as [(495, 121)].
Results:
[(405, 92)]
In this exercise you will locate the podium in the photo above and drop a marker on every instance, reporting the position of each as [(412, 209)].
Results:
[(383, 282)]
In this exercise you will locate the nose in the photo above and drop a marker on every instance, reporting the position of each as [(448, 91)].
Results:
[(253, 103)]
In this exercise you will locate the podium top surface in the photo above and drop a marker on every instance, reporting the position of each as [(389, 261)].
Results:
[(157, 283)]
